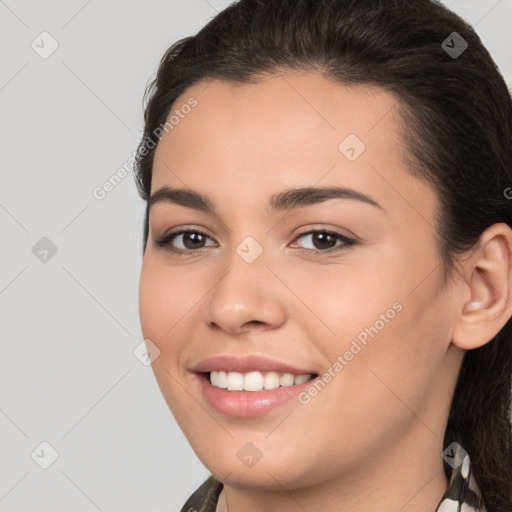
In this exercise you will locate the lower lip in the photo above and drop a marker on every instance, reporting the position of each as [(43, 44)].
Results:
[(248, 403)]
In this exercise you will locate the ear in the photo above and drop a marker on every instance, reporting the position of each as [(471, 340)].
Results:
[(488, 275)]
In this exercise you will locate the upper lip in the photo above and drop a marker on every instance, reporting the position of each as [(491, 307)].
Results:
[(248, 363)]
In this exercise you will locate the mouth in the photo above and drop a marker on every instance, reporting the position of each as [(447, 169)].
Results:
[(250, 385), (255, 380), (246, 395)]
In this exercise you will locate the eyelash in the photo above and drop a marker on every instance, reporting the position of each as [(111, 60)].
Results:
[(165, 242)]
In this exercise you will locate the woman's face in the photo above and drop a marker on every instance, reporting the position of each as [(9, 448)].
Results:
[(363, 307)]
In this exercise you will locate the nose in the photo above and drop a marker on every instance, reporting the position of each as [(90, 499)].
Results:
[(246, 296)]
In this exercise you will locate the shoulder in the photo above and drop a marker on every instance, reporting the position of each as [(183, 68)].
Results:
[(205, 497)]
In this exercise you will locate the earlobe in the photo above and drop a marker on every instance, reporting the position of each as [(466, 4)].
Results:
[(489, 280)]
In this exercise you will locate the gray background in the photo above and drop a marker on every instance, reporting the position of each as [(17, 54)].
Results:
[(70, 323)]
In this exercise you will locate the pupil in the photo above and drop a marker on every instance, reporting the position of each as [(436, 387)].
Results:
[(191, 236), (322, 237)]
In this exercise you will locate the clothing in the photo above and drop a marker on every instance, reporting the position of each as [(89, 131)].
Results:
[(462, 493)]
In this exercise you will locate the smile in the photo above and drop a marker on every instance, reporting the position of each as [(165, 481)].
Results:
[(255, 380), (235, 400)]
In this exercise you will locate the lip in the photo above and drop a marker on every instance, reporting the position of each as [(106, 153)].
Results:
[(248, 403), (248, 363)]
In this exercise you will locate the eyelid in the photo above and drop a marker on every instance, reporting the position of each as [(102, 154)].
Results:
[(311, 228), (186, 227), (343, 232)]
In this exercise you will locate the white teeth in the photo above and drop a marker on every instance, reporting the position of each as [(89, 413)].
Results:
[(235, 381), (222, 379), (255, 381), (271, 380), (299, 379), (287, 379)]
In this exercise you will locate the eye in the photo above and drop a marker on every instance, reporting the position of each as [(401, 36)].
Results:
[(191, 241), (326, 241)]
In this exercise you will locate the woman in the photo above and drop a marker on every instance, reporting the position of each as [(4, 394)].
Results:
[(327, 271)]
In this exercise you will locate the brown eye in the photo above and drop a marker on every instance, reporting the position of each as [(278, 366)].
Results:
[(324, 241), (190, 240)]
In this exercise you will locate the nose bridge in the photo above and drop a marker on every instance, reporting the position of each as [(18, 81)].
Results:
[(249, 250), (245, 292), (244, 275)]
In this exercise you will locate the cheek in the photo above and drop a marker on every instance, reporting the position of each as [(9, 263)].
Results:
[(391, 333), (150, 302), (345, 301), (165, 302), (164, 299)]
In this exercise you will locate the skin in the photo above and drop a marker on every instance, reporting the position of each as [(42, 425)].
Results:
[(377, 426)]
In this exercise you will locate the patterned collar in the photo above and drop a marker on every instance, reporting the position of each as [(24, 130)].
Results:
[(462, 493)]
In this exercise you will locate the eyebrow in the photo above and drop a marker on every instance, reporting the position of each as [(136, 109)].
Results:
[(285, 200)]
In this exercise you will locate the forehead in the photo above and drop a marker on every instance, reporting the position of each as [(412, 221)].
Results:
[(277, 113), (292, 129)]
